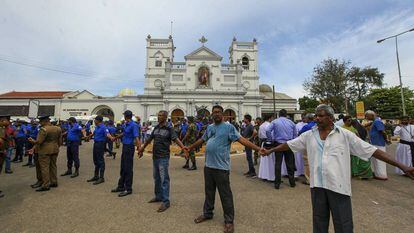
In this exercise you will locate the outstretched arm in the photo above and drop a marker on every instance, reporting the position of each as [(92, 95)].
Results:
[(381, 155), (196, 144), (249, 144), (279, 148)]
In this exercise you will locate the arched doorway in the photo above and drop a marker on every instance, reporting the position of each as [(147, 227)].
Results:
[(229, 115), (177, 115), (104, 111)]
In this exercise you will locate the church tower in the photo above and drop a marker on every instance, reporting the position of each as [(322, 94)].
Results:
[(245, 53), (159, 52)]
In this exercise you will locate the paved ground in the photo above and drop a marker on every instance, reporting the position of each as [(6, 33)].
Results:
[(77, 206)]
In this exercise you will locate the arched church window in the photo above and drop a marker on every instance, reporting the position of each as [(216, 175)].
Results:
[(158, 60), (245, 63)]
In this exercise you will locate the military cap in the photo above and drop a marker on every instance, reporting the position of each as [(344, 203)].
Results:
[(99, 118), (42, 118)]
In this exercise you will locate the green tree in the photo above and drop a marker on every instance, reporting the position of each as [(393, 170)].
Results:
[(308, 104), (334, 82), (387, 102)]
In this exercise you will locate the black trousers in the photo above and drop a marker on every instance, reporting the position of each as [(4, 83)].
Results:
[(290, 165), (326, 202), (72, 154), (20, 142), (127, 167), (98, 158), (220, 179)]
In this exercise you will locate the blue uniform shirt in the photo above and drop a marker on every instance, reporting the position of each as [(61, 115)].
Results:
[(307, 127), (375, 134), (219, 138), (184, 127), (21, 131), (100, 133), (74, 132), (112, 130), (131, 131), (34, 131)]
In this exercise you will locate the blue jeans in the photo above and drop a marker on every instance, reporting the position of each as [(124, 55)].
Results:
[(161, 179), (249, 157)]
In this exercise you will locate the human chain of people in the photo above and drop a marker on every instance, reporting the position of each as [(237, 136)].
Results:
[(327, 152)]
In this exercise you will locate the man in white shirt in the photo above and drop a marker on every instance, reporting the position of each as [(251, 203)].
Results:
[(328, 147), (405, 148), (267, 163)]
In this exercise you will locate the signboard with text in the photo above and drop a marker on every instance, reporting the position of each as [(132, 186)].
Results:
[(360, 109)]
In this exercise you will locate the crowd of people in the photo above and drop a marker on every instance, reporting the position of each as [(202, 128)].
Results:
[(326, 153)]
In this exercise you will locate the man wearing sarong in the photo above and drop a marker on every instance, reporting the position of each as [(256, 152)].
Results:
[(405, 148), (359, 167)]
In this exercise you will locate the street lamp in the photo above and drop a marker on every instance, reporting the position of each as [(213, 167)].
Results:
[(398, 63)]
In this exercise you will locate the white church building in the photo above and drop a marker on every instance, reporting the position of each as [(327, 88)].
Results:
[(189, 87)]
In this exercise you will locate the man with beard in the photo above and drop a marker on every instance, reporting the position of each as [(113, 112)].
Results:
[(219, 137)]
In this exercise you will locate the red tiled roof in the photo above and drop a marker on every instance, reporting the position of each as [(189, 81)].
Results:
[(33, 95)]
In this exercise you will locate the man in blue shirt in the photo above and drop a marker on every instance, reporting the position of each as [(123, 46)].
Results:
[(20, 141), (73, 137), (129, 135), (162, 136), (100, 134), (280, 131), (109, 142), (379, 139), (32, 130), (219, 137)]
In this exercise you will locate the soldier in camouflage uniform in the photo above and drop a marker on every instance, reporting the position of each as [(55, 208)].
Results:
[(3, 143), (256, 139), (47, 146), (189, 138)]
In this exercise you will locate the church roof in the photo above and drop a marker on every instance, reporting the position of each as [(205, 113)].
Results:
[(33, 95), (203, 53), (266, 91)]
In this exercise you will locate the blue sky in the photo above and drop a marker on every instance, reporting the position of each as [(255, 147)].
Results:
[(104, 41)]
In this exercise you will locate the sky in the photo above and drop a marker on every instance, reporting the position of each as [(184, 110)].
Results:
[(100, 45)]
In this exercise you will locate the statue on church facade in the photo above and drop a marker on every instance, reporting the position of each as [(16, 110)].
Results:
[(203, 76)]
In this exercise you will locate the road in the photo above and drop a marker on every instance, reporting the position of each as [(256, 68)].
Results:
[(78, 206)]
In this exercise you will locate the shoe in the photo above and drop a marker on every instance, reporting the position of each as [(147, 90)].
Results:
[(1, 194), (186, 166), (75, 174), (93, 179), (163, 207), (250, 175), (277, 186), (32, 165), (228, 228), (99, 181), (42, 189), (117, 190), (20, 161), (192, 168), (154, 200), (67, 173), (201, 219), (124, 193), (114, 154), (246, 173), (36, 185), (292, 185), (9, 172), (53, 185), (305, 182), (27, 164)]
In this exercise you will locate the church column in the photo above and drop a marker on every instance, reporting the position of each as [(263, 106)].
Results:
[(239, 70), (258, 112), (145, 111), (166, 106), (240, 110)]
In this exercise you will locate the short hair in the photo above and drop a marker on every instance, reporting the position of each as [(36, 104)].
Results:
[(347, 117), (328, 109), (165, 113), (310, 116), (283, 112), (267, 117), (217, 106), (341, 116), (248, 117), (259, 119)]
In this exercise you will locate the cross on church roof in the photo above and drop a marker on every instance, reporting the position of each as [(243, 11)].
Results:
[(203, 40)]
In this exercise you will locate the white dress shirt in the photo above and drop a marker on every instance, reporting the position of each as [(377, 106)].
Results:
[(262, 130), (330, 160), (406, 132)]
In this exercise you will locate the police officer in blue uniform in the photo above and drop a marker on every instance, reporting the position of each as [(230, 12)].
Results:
[(100, 134), (20, 141), (73, 137), (32, 130), (130, 135), (109, 142)]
